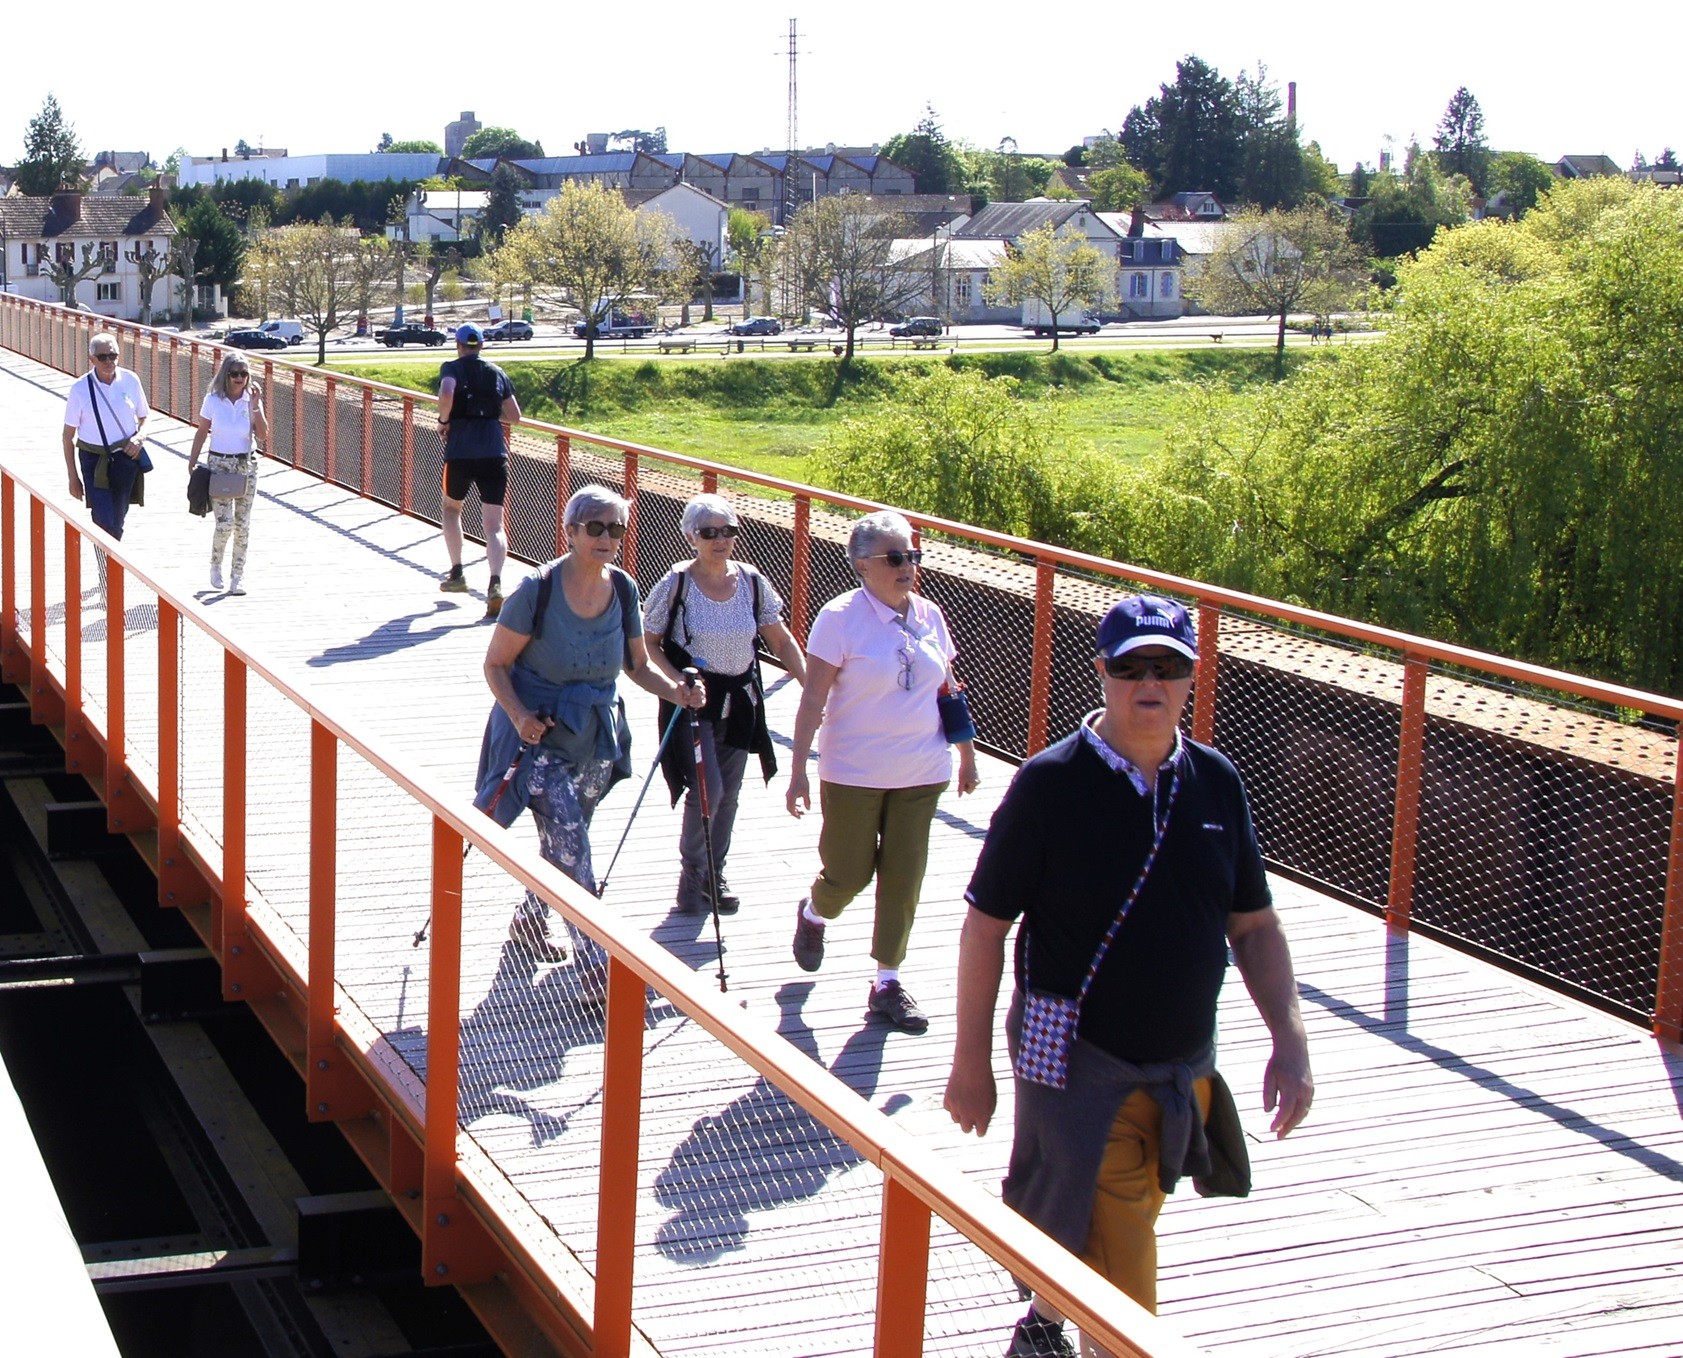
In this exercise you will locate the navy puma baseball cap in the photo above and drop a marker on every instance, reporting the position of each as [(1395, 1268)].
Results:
[(1147, 620)]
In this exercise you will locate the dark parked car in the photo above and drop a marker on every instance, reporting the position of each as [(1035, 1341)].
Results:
[(399, 335), (252, 339), (758, 325), (508, 330), (918, 326)]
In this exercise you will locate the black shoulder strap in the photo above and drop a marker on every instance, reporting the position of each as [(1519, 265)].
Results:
[(624, 591), (678, 608)]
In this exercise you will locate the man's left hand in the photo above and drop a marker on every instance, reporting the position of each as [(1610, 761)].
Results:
[(1288, 1087)]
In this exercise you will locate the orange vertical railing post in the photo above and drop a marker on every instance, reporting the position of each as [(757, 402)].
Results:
[(192, 380), (1668, 995), (331, 1091), (173, 872), (332, 431), (297, 418), (1405, 825), (406, 491), (11, 655), (616, 1197), (235, 944), (117, 800), (800, 568), (174, 354), (1209, 651), (439, 1206), (75, 720), (367, 469), (45, 706), (710, 482), (628, 553), (1040, 665), (902, 1271), (563, 489)]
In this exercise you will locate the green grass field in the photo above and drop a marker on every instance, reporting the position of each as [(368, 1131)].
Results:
[(767, 415)]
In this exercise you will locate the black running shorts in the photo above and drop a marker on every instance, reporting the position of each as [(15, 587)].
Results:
[(489, 474)]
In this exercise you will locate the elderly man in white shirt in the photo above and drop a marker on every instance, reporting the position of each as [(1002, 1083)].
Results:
[(102, 421)]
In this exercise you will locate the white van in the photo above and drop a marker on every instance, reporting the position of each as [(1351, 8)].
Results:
[(290, 331)]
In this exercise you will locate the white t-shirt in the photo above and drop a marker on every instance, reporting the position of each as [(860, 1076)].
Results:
[(877, 733), (122, 405), (230, 423)]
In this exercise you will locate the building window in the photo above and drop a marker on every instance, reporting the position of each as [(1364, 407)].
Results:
[(750, 195), (961, 292), (1139, 285), (1168, 285), (108, 292), (108, 252)]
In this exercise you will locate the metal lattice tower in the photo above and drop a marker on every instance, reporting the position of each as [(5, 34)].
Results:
[(794, 146)]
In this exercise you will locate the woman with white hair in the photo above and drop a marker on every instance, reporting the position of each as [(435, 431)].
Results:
[(231, 418), (561, 639), (879, 659), (708, 612)]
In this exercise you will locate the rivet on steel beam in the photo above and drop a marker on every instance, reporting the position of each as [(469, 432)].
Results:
[(443, 1219), (235, 988), (321, 1108), (235, 950), (322, 1064), (441, 1269)]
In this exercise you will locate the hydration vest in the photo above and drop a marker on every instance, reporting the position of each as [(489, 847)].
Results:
[(476, 395)]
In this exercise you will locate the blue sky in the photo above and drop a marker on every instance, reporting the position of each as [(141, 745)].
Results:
[(1561, 80)]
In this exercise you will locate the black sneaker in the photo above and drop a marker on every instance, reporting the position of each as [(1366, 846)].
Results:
[(890, 1001), (729, 901), (809, 939), (1037, 1338)]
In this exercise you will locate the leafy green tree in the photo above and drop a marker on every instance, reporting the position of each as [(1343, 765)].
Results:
[(840, 253), (927, 153), (52, 157), (1459, 144), (650, 143), (1501, 471), (1404, 212), (311, 267), (502, 206), (956, 444), (243, 149), (239, 199), (1119, 188), (1280, 261), (1186, 137), (172, 162), (364, 201), (489, 143), (1064, 274), (220, 256), (589, 251), (1320, 176), (745, 239), (1525, 179), (414, 146)]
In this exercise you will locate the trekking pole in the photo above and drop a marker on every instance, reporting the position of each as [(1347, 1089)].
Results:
[(497, 796), (665, 739), (700, 790)]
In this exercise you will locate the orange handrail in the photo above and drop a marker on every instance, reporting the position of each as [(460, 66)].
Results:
[(463, 1217)]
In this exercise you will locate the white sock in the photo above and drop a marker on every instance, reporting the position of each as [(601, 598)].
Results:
[(812, 916), (887, 974)]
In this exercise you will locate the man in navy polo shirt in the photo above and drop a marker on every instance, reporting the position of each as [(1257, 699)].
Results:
[(475, 403), (1126, 812)]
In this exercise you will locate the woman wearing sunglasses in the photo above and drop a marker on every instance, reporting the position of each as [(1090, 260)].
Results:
[(553, 677), (231, 418), (876, 660), (708, 612)]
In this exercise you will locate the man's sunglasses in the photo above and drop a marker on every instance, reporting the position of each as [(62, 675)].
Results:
[(898, 559), (712, 531), (105, 358), (595, 527), (1135, 669)]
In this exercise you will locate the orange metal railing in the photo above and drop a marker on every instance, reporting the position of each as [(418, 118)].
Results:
[(1414, 866), (407, 1130)]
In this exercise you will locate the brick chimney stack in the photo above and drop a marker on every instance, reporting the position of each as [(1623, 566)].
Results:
[(67, 206)]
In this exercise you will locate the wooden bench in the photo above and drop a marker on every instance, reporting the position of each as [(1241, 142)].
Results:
[(676, 344), (917, 341), (809, 342)]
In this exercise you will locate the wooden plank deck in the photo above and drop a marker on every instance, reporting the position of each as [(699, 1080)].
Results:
[(1489, 1168)]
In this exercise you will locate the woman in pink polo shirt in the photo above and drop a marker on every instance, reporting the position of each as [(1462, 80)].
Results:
[(876, 660)]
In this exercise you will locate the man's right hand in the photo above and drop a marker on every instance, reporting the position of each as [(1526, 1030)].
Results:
[(971, 1098), (75, 486), (799, 797)]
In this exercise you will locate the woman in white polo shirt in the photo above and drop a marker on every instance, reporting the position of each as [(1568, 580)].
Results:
[(231, 418), (876, 660)]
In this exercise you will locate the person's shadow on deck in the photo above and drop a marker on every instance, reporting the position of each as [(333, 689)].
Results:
[(763, 1150), (394, 635)]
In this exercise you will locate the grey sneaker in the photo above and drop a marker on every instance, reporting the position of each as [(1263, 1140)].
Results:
[(891, 1002), (1037, 1338), (532, 937), (493, 599), (234, 585), (809, 939), (215, 578), (454, 582)]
